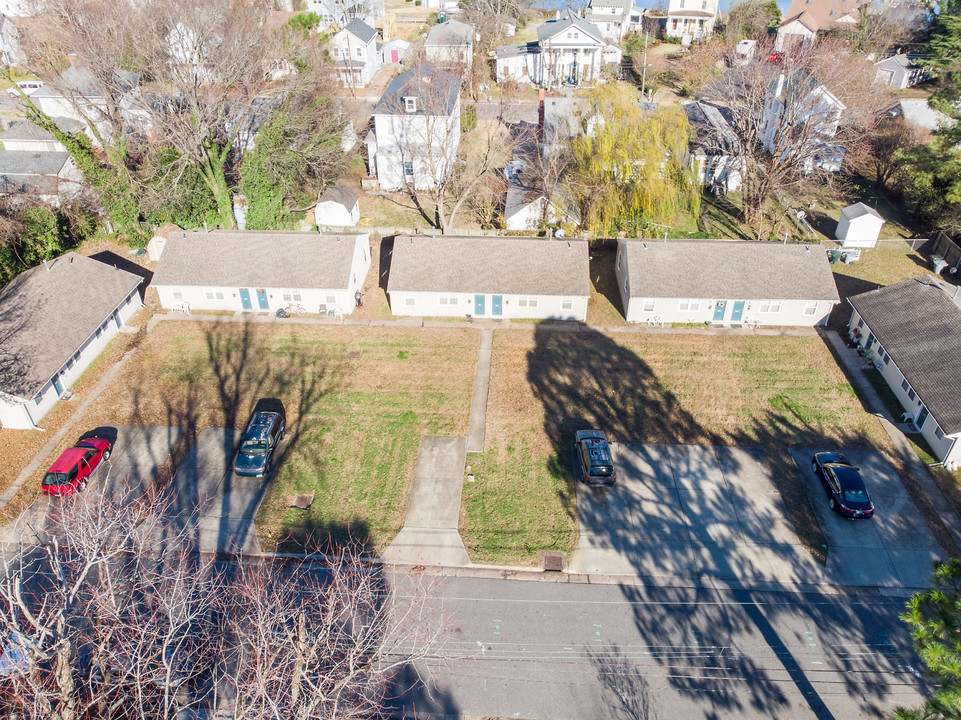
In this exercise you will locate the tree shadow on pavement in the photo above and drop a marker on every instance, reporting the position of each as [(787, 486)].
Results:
[(626, 689)]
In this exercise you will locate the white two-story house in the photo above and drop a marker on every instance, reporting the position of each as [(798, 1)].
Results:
[(355, 54), (691, 19), (614, 18), (416, 130), (336, 14), (568, 51)]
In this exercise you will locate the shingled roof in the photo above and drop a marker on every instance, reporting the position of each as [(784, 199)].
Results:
[(257, 259), (509, 265), (438, 90), (730, 270), (48, 312), (918, 322)]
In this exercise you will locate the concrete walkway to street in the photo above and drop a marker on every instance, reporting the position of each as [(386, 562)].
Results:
[(854, 366), (429, 535)]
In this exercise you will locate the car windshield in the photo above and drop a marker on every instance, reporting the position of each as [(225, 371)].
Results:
[(602, 470), (855, 495), (52, 478), (254, 447)]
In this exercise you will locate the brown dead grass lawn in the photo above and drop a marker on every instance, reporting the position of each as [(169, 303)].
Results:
[(767, 391)]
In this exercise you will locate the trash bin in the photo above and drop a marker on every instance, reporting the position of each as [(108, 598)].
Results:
[(835, 256)]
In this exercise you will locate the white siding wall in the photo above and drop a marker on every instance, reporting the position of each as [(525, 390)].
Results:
[(229, 298), (789, 313), (23, 416), (895, 379), (333, 213), (34, 146), (429, 304), (429, 144)]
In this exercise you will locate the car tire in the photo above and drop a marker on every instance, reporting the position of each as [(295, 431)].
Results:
[(832, 503), (106, 454), (82, 485), (814, 467)]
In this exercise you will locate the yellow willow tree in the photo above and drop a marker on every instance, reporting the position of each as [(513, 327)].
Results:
[(629, 163)]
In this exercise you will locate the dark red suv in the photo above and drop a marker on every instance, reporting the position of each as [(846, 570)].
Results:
[(72, 470)]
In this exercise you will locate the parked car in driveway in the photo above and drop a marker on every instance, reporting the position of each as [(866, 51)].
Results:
[(594, 456), (72, 470), (261, 438), (845, 488)]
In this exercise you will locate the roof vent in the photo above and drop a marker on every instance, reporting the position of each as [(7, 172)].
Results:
[(46, 266)]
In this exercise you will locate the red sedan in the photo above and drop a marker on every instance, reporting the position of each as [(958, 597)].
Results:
[(72, 470)]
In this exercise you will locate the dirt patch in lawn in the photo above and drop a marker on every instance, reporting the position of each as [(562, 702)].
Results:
[(766, 391)]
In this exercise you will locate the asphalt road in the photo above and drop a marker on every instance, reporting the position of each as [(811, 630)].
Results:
[(557, 651)]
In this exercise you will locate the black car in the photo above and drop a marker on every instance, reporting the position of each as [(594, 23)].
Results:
[(844, 485), (594, 456), (261, 438)]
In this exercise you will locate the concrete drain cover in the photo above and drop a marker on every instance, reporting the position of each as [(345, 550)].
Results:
[(552, 561), (302, 500)]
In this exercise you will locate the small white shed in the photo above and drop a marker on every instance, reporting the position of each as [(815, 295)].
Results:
[(338, 206), (859, 226)]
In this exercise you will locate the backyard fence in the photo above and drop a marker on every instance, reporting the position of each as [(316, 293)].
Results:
[(948, 249)]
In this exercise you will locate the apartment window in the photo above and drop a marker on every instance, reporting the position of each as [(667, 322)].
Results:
[(938, 433), (570, 35), (291, 295), (410, 104), (880, 352), (528, 301), (409, 301), (567, 303), (703, 4), (331, 299), (905, 386), (360, 52), (213, 294), (682, 4), (810, 309), (647, 305), (37, 398), (689, 305), (912, 394), (448, 299), (178, 294), (770, 306), (409, 169)]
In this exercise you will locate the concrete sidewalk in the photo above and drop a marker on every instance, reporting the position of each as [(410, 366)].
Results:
[(854, 368), (429, 535), (478, 405)]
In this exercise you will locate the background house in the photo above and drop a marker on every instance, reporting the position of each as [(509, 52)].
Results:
[(262, 271), (355, 54), (691, 19), (806, 18), (450, 42), (568, 51), (912, 331), (52, 177), (24, 136), (614, 18), (55, 319), (724, 282), (395, 51), (416, 129), (899, 71), (336, 14), (859, 226), (526, 206), (489, 277), (716, 156), (339, 205)]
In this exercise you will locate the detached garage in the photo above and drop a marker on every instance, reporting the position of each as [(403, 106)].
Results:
[(723, 282), (489, 277), (262, 271)]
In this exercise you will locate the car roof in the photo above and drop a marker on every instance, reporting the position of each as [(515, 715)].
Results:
[(263, 418), (832, 457), (848, 477), (68, 459), (598, 451)]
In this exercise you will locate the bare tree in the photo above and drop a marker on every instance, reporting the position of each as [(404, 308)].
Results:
[(323, 642), (878, 156), (796, 119), (86, 627)]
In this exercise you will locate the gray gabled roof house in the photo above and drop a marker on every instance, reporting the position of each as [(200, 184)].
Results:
[(489, 277), (724, 282), (55, 319), (912, 331)]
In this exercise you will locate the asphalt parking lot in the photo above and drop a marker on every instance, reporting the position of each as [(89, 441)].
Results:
[(894, 548), (690, 511)]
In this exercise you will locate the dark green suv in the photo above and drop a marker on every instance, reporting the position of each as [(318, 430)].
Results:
[(261, 438)]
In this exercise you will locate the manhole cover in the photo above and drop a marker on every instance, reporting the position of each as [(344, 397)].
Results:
[(552, 561), (354, 353), (302, 500)]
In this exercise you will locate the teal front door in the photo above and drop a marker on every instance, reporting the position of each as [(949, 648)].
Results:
[(245, 299), (922, 416), (497, 302), (116, 319), (479, 305), (262, 299), (869, 342), (58, 386), (720, 307), (737, 312)]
